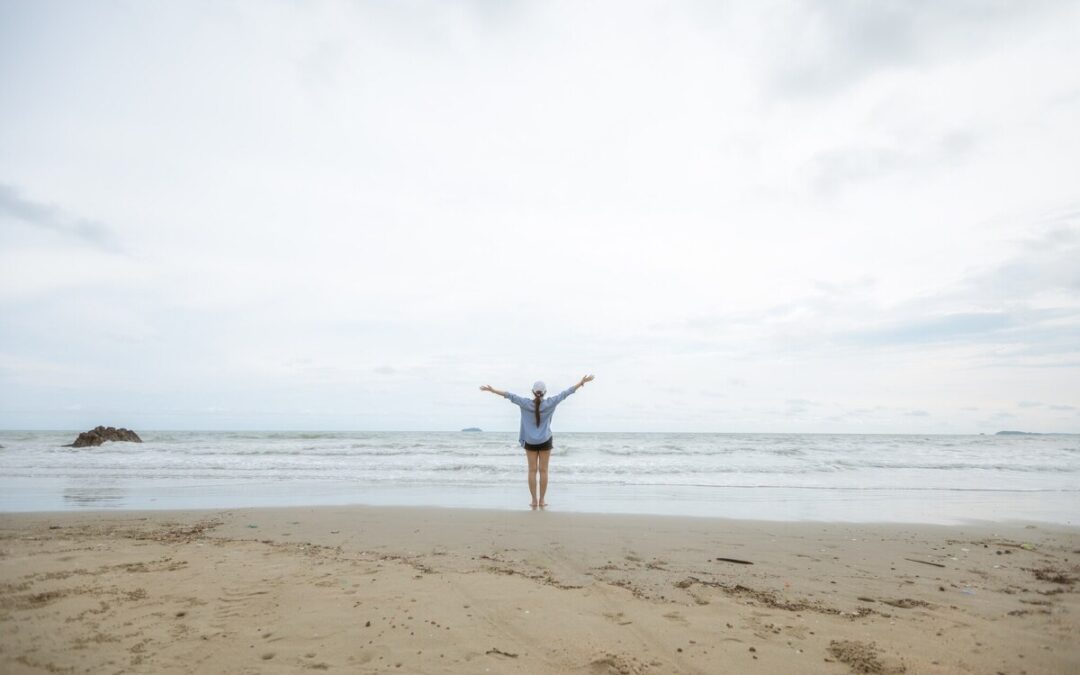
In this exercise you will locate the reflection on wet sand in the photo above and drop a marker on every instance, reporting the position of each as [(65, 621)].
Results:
[(94, 496)]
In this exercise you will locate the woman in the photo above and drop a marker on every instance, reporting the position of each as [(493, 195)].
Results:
[(535, 435)]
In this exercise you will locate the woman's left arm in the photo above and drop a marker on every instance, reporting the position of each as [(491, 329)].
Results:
[(558, 398), (587, 378)]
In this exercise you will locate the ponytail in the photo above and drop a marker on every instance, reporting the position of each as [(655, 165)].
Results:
[(539, 397)]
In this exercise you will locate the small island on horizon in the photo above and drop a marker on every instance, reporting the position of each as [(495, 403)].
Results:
[(472, 429), (1018, 433)]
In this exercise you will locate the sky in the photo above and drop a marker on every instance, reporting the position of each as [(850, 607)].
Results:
[(828, 216)]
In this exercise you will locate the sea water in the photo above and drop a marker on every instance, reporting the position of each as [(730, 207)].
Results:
[(900, 478)]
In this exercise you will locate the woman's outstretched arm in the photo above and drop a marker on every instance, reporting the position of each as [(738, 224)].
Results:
[(587, 378), (493, 390), (558, 398)]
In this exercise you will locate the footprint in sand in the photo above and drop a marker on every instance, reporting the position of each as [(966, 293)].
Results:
[(617, 618), (616, 664)]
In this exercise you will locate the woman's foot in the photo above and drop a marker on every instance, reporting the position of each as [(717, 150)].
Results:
[(543, 504), (532, 505)]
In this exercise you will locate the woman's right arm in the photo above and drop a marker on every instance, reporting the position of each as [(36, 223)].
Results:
[(513, 398)]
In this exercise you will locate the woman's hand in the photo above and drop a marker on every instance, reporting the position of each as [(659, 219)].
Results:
[(587, 378), (487, 387)]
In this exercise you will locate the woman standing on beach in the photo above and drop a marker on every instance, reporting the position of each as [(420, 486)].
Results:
[(535, 435)]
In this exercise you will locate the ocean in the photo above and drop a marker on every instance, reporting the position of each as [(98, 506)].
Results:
[(871, 478)]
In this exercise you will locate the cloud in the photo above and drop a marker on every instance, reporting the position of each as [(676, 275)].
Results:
[(1028, 301), (947, 328), (798, 406), (1023, 310), (843, 42), (831, 170), (834, 44), (1047, 406), (712, 393), (14, 207), (1043, 263)]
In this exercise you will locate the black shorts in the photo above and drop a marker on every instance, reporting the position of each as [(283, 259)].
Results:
[(546, 445)]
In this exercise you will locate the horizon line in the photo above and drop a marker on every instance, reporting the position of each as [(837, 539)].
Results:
[(1003, 432)]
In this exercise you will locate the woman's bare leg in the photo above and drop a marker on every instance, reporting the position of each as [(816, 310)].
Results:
[(544, 457), (533, 457)]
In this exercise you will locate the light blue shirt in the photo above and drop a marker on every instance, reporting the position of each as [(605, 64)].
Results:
[(531, 432)]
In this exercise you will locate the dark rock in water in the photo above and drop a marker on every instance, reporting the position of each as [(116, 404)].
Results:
[(472, 429), (1016, 433), (99, 435)]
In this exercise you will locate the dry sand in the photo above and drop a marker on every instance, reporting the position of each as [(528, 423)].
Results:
[(406, 590)]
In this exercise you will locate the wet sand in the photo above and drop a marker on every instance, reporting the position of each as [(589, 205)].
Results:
[(423, 590)]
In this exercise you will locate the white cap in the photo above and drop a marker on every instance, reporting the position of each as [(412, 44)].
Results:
[(539, 386)]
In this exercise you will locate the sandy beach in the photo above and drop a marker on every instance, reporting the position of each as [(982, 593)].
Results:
[(422, 590)]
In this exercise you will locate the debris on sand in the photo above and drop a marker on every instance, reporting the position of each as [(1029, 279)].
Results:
[(906, 603), (1053, 575), (861, 657), (924, 562), (498, 652)]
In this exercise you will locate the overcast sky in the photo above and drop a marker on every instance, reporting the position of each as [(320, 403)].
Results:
[(822, 216)]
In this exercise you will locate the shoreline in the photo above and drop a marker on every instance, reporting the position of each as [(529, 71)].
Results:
[(450, 590), (162, 513), (785, 504)]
